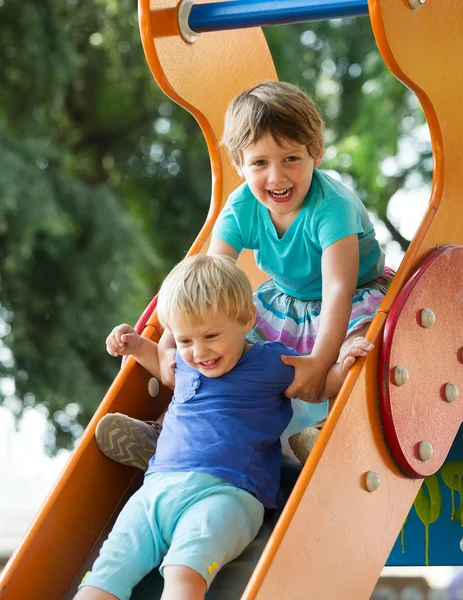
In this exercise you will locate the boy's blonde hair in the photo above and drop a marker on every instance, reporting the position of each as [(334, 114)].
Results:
[(201, 286), (281, 109)]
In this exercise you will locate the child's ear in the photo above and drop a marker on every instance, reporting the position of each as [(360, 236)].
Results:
[(319, 155), (239, 169), (252, 318)]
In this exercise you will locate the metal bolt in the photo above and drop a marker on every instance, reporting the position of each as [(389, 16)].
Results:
[(372, 481), (415, 3), (183, 15), (153, 387), (400, 375), (461, 544), (451, 392), (425, 450), (428, 318)]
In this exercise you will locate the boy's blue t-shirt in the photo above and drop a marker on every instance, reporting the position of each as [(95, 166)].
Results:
[(230, 426), (330, 212)]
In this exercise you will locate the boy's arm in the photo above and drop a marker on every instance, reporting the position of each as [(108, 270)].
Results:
[(359, 348), (333, 383), (147, 356), (166, 354), (125, 341)]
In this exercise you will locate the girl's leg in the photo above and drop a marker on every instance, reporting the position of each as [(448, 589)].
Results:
[(91, 593), (182, 583)]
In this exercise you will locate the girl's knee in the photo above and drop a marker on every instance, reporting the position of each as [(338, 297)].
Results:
[(183, 583)]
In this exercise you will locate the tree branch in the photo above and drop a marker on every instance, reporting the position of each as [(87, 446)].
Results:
[(395, 233)]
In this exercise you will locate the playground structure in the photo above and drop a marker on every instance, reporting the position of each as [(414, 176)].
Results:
[(349, 503)]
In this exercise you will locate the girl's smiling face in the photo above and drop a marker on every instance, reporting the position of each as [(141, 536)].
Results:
[(212, 346), (279, 175)]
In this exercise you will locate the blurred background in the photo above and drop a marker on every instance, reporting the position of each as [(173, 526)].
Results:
[(104, 184)]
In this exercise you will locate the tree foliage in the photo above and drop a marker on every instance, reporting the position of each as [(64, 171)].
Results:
[(104, 182)]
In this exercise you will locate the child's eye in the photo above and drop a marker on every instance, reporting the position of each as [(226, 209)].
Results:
[(292, 158), (184, 342), (211, 336), (260, 163)]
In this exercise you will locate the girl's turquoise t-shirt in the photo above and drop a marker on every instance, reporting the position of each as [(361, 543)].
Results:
[(330, 212)]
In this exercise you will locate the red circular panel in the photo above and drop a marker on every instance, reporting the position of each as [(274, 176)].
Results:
[(417, 410)]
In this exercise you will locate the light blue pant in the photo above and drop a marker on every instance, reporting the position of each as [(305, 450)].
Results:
[(189, 519)]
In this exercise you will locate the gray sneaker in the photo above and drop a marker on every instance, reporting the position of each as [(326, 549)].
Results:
[(302, 443), (126, 440)]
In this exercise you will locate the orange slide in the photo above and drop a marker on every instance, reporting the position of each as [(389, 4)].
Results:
[(351, 499)]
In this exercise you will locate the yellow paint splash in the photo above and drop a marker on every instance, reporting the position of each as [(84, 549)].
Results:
[(452, 475), (402, 535), (428, 505)]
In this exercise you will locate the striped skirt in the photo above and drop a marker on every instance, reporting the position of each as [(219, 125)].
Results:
[(296, 323)]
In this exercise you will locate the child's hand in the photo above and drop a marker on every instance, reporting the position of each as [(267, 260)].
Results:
[(360, 347), (309, 377), (122, 341), (167, 365)]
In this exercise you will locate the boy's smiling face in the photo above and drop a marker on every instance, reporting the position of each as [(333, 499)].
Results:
[(212, 345), (279, 175)]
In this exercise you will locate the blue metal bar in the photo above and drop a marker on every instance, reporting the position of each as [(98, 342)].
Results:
[(239, 14)]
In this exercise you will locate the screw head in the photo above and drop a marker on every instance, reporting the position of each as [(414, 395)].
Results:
[(425, 451), (372, 481), (451, 392), (400, 375), (183, 15), (428, 318), (153, 387), (415, 3), (461, 544)]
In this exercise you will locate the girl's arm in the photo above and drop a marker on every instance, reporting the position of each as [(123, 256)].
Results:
[(218, 246), (340, 263), (340, 267)]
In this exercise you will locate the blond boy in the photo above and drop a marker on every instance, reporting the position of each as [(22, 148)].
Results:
[(217, 464)]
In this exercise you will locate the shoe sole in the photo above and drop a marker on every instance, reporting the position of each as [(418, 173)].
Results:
[(126, 440), (302, 443)]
